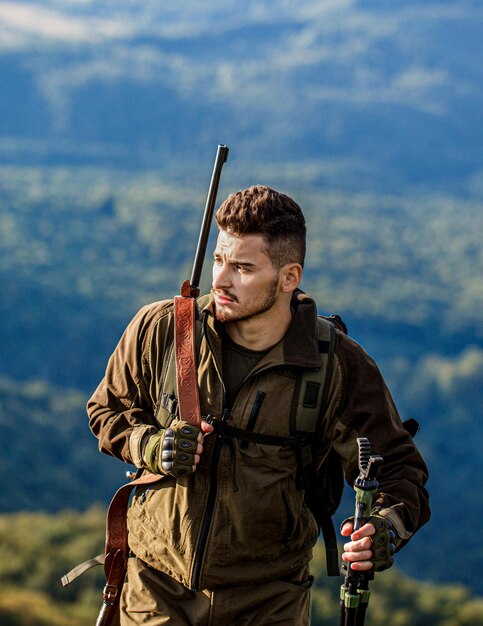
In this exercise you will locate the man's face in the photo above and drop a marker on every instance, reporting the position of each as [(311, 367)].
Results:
[(245, 283)]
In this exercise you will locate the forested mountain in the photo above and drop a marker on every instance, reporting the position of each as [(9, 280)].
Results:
[(367, 113)]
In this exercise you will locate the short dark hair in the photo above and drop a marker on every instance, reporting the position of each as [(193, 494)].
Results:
[(260, 210)]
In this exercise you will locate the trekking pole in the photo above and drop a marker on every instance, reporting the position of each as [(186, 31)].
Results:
[(355, 593)]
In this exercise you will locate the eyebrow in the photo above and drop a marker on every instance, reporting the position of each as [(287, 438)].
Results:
[(234, 261)]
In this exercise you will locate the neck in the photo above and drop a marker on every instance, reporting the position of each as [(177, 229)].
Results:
[(262, 331)]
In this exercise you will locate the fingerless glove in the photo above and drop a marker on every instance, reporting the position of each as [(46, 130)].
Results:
[(172, 450)]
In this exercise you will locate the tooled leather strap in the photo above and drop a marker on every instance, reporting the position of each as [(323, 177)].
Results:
[(117, 549), (185, 356)]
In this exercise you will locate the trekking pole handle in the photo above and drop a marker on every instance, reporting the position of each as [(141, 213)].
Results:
[(220, 160), (365, 484)]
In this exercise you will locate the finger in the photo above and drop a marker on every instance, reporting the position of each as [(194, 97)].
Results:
[(346, 530), (196, 459), (365, 531), (358, 546), (362, 566), (360, 555), (199, 448)]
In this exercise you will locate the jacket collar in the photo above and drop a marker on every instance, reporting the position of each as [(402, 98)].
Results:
[(299, 347)]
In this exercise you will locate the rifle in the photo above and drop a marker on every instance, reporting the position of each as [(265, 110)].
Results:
[(355, 593), (116, 548)]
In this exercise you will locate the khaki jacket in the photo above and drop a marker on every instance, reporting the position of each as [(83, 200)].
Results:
[(240, 517)]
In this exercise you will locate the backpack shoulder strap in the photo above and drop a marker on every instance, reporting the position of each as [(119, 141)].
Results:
[(310, 399), (308, 410)]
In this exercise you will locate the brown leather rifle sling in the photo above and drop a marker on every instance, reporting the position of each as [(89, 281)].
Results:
[(117, 549)]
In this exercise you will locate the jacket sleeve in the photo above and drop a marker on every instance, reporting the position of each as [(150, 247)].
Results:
[(121, 410), (366, 409)]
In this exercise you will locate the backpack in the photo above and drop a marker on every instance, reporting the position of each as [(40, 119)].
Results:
[(323, 487)]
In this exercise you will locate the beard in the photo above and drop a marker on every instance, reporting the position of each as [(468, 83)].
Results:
[(250, 309)]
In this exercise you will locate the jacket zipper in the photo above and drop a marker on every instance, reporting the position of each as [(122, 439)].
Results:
[(210, 507), (211, 500), (212, 492)]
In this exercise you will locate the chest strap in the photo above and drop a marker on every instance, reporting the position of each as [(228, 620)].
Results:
[(225, 430)]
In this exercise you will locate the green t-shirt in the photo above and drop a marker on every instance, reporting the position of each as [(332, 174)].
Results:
[(238, 362)]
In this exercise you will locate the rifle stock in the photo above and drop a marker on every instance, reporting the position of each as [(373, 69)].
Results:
[(108, 615)]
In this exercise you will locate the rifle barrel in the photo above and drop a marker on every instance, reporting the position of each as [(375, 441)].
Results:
[(220, 159)]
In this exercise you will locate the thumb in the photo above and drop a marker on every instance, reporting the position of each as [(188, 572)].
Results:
[(206, 428), (346, 529)]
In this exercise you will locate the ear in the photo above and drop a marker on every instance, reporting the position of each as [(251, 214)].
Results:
[(290, 277)]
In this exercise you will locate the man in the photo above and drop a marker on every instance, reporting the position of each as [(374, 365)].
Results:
[(225, 537)]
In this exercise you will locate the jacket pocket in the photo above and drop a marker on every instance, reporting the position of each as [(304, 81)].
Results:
[(265, 511), (254, 527)]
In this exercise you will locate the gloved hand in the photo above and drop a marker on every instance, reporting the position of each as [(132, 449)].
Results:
[(383, 541), (174, 450)]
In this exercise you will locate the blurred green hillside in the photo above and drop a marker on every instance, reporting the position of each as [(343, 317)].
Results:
[(85, 244)]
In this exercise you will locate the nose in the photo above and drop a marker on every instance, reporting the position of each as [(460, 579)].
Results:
[(221, 276)]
